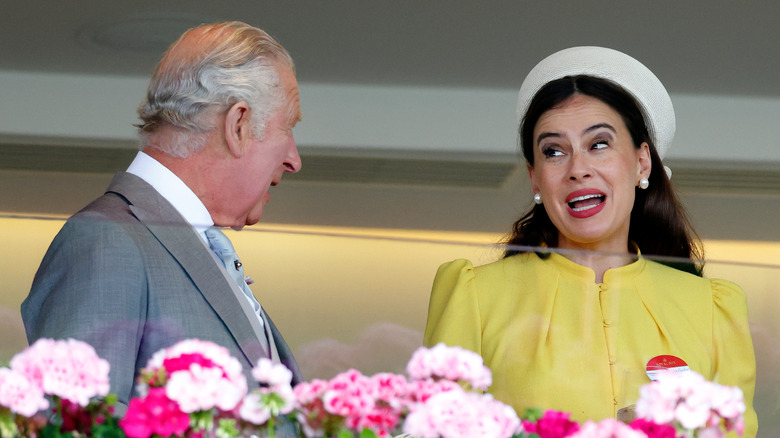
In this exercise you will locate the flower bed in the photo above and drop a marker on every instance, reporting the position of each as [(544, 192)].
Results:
[(195, 388)]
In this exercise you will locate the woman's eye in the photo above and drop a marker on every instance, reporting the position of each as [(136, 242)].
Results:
[(551, 152), (600, 145)]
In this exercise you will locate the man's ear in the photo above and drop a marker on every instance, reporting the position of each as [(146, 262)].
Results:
[(238, 128)]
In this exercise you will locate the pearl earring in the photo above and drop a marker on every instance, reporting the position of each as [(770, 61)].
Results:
[(537, 198), (644, 183)]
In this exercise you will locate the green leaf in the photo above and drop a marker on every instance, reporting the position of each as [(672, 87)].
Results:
[(273, 402), (227, 428), (50, 431), (202, 420), (110, 399), (108, 429), (8, 427), (368, 433), (532, 414), (344, 433)]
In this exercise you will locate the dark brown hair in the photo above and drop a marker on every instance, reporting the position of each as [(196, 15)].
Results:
[(659, 225)]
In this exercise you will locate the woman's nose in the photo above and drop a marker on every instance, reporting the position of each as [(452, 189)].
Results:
[(579, 167)]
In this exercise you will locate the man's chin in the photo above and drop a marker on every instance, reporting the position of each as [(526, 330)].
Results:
[(252, 219)]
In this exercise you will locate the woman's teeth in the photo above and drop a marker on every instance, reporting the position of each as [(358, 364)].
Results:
[(586, 202)]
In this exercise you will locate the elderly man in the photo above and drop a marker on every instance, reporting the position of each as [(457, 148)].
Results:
[(145, 265)]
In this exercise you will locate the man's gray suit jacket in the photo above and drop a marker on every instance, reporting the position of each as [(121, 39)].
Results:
[(130, 276)]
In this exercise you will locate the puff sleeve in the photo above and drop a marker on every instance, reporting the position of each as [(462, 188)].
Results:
[(734, 360), (453, 311)]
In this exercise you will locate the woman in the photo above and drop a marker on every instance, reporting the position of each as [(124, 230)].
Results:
[(576, 329)]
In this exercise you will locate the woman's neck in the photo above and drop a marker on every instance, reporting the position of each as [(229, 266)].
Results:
[(599, 262), (598, 257)]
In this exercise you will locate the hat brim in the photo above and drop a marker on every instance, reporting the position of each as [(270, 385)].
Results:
[(616, 67)]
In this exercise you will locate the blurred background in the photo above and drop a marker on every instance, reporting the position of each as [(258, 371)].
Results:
[(408, 144)]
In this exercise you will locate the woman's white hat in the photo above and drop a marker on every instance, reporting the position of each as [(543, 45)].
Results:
[(615, 67)]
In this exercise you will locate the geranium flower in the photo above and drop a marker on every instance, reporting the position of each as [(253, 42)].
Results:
[(154, 414), (254, 410), (271, 374), (458, 413), (348, 396), (389, 388), (19, 394), (200, 375), (451, 363), (419, 391), (607, 428), (69, 369), (311, 413), (692, 403), (652, 429), (552, 424)]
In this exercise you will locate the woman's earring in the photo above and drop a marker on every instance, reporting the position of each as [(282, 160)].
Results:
[(537, 198), (644, 183)]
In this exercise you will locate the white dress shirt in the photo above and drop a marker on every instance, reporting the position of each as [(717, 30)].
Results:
[(183, 199)]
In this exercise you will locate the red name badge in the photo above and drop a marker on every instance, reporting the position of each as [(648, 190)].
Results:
[(665, 363)]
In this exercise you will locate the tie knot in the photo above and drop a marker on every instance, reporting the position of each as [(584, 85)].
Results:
[(219, 242), (222, 247)]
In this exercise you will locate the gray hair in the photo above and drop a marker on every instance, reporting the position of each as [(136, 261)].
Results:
[(231, 62)]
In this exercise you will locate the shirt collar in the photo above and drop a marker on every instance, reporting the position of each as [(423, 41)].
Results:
[(174, 190)]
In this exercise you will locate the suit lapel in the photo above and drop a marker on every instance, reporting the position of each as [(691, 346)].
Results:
[(283, 350), (183, 243)]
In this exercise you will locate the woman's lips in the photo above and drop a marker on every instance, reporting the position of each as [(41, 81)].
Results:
[(585, 203)]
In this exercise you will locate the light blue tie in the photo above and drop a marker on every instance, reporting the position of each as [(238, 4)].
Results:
[(222, 247)]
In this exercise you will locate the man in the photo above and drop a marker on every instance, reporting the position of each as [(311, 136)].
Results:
[(134, 271)]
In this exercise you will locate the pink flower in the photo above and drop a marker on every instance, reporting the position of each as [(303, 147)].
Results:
[(271, 374), (691, 402), (19, 394), (201, 389), (311, 411), (154, 414), (201, 375), (184, 361), (553, 424), (389, 388), (607, 428), (307, 392), (264, 403), (457, 413), (711, 432), (69, 369), (275, 398), (354, 400), (653, 430), (451, 363), (347, 396), (420, 391), (728, 401), (253, 410)]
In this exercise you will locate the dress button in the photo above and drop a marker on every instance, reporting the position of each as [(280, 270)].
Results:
[(608, 323)]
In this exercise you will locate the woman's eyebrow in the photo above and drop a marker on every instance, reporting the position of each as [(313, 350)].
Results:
[(599, 126), (544, 135)]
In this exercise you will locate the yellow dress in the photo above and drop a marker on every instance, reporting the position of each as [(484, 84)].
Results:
[(555, 339)]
